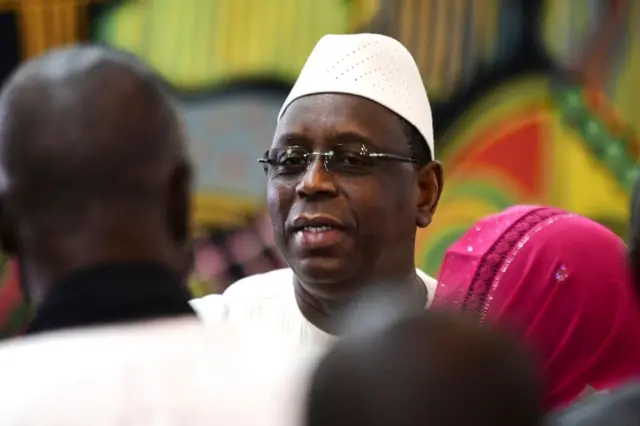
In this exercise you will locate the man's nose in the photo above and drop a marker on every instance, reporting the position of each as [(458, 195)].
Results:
[(317, 180)]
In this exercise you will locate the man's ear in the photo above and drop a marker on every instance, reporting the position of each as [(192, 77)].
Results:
[(9, 244), (8, 240), (430, 181)]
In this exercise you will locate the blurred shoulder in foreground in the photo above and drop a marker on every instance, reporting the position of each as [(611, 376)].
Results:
[(170, 372)]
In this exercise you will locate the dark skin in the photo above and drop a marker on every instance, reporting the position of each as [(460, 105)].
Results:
[(94, 168), (378, 212), (430, 369)]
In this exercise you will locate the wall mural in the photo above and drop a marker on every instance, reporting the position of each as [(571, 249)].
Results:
[(452, 41), (229, 130), (566, 137), (530, 141), (198, 44)]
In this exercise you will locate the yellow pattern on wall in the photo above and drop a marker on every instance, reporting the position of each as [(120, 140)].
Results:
[(46, 24), (582, 183), (626, 90), (202, 43)]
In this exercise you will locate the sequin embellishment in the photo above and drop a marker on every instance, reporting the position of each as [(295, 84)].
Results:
[(561, 274), (497, 260)]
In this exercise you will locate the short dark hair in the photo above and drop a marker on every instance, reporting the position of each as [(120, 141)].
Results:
[(417, 144)]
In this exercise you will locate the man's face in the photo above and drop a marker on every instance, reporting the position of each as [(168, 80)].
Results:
[(340, 228)]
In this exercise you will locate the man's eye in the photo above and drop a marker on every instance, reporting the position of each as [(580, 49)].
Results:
[(351, 159), (291, 160)]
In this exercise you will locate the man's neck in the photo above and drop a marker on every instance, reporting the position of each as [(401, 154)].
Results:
[(326, 313)]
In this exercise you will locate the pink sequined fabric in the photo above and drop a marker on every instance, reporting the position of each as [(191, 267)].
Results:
[(561, 283), (497, 259)]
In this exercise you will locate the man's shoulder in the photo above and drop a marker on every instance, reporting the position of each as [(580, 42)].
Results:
[(280, 281), (430, 283), (251, 289), (428, 280), (269, 284), (260, 288)]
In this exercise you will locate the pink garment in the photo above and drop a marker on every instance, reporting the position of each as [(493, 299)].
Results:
[(559, 281)]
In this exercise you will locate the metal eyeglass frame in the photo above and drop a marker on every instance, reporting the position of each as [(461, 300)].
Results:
[(310, 157)]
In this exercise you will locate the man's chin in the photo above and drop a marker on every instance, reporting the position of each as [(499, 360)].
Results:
[(323, 271)]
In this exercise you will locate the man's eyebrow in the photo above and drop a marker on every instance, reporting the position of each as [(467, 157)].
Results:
[(338, 137), (293, 138), (351, 137)]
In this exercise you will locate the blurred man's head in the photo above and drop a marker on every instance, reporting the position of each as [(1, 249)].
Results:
[(350, 170), (426, 370), (93, 166)]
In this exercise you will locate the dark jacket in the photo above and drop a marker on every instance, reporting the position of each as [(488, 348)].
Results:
[(110, 294)]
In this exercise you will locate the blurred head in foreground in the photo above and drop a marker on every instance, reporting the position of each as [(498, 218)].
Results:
[(92, 167), (559, 281), (431, 369)]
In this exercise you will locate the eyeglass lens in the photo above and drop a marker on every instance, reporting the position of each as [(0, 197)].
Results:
[(343, 158)]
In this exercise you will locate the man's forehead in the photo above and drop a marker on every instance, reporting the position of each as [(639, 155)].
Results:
[(349, 107), (335, 115)]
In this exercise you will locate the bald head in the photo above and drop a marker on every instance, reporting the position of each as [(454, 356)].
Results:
[(426, 370), (88, 123), (90, 144)]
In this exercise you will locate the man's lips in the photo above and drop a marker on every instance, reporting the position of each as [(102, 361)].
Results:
[(316, 223), (317, 238), (314, 232)]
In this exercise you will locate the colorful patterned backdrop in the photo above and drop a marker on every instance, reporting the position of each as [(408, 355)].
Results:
[(533, 102), (565, 136)]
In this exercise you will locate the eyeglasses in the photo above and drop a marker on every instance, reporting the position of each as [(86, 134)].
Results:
[(344, 158)]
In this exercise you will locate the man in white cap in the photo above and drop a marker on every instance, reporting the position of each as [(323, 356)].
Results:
[(350, 175)]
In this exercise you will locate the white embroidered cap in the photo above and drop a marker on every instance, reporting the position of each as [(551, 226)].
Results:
[(372, 66)]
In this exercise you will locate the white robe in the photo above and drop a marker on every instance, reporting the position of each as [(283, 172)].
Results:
[(267, 301), (162, 373)]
